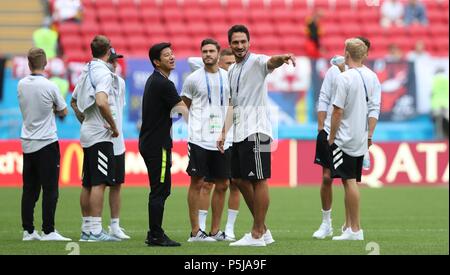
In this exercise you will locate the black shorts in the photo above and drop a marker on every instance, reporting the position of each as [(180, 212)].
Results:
[(210, 164), (99, 165), (42, 167), (323, 157), (251, 158), (120, 168), (345, 166)]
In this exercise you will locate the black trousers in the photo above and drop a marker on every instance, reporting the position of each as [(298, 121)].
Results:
[(158, 168), (40, 169)]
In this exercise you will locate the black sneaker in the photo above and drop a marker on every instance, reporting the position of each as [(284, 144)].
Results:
[(162, 241)]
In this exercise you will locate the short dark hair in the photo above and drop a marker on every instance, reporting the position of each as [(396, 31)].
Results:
[(210, 41), (155, 51), (37, 59), (238, 28), (226, 51), (365, 41), (100, 46)]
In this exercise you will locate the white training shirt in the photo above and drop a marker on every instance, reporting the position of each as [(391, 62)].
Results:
[(93, 127), (249, 97), (352, 133), (200, 111), (327, 93), (37, 96), (119, 142)]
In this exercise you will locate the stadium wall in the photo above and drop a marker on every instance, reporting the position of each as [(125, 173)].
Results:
[(393, 164)]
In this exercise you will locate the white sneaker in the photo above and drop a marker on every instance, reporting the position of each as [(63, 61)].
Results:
[(349, 235), (248, 240), (221, 236), (54, 236), (268, 239), (325, 230), (118, 232), (230, 233), (201, 237), (31, 237)]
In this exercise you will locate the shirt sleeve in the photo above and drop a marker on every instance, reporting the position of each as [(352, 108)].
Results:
[(341, 92), (187, 89), (261, 63), (58, 100), (103, 82), (325, 91), (374, 104), (170, 95)]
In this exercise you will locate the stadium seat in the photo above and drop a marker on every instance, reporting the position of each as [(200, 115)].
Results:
[(216, 16), (198, 28), (70, 42), (148, 4), (104, 4), (176, 28), (195, 14), (69, 28), (133, 29), (129, 15), (172, 15), (107, 15), (111, 28), (150, 15), (127, 4), (89, 28)]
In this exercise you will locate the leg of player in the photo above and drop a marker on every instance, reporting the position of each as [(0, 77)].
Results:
[(86, 214), (217, 205), (326, 196), (205, 197), (114, 204), (197, 235), (354, 232), (247, 192), (260, 207), (348, 221), (233, 209)]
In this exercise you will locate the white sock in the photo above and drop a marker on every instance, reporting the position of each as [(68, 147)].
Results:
[(232, 215), (96, 225), (86, 224), (202, 214), (326, 216), (115, 223)]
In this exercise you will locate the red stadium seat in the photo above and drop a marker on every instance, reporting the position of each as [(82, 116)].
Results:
[(150, 15), (198, 28), (126, 4), (102, 4), (148, 4), (282, 15), (111, 28), (169, 4), (133, 29), (89, 28), (176, 28), (69, 28), (259, 16), (195, 14), (155, 29), (278, 4), (172, 15), (107, 15), (235, 5), (216, 16), (70, 42), (129, 15)]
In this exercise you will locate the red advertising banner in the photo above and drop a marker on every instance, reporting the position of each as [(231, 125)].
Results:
[(393, 163), (136, 171), (419, 163)]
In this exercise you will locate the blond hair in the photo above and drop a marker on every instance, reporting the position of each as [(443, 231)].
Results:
[(37, 59), (356, 49)]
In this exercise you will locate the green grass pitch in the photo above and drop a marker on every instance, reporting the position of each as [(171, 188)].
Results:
[(400, 220)]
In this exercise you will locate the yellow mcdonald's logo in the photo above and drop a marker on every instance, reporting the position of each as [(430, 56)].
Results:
[(66, 164)]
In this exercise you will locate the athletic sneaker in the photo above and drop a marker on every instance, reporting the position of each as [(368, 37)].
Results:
[(221, 236), (268, 239), (248, 240), (102, 237), (54, 236), (325, 230), (200, 237), (161, 241), (31, 237), (118, 232), (349, 235), (84, 237), (230, 233)]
